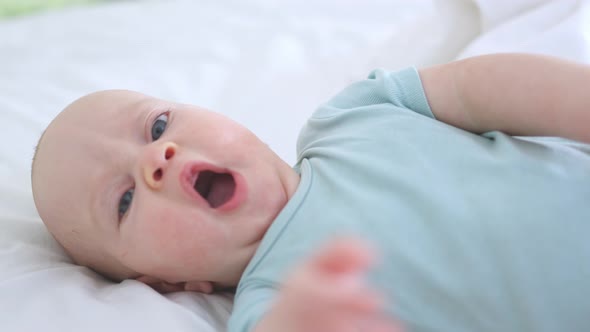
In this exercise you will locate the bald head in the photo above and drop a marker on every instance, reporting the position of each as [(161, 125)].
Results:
[(64, 159), (114, 180)]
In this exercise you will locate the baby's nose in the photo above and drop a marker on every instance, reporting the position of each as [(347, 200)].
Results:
[(156, 161)]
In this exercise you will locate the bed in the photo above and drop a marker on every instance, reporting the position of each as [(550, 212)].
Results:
[(241, 58)]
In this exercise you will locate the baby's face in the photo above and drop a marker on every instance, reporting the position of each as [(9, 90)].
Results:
[(136, 186)]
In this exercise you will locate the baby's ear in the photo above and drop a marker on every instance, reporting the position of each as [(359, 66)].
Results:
[(161, 286)]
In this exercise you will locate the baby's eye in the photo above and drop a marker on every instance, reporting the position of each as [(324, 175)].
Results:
[(159, 126), (125, 202)]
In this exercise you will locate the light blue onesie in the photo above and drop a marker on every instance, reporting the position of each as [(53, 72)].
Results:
[(476, 233)]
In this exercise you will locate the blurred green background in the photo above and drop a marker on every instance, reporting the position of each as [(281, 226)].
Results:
[(11, 8)]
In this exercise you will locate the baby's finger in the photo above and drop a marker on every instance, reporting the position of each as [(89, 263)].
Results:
[(355, 322), (382, 323), (374, 322), (361, 301), (341, 292), (344, 255)]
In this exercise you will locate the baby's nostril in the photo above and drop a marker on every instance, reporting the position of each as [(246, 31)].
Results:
[(169, 153), (158, 174)]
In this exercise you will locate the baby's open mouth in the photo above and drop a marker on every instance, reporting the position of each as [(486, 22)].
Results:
[(216, 188)]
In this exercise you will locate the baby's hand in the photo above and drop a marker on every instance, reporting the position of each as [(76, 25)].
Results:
[(328, 293)]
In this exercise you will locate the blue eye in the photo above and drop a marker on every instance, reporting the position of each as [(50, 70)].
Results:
[(125, 202), (159, 126)]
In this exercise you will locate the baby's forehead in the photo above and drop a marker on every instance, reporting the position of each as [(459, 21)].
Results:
[(99, 116), (65, 166), (83, 137), (107, 105)]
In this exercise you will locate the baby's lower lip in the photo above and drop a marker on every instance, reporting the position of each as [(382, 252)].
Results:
[(189, 176), (239, 195)]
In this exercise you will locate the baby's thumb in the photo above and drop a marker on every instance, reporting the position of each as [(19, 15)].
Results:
[(344, 255)]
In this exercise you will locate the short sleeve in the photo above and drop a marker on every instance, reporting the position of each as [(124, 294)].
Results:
[(402, 89), (250, 305)]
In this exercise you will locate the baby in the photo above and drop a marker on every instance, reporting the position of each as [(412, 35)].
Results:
[(476, 230)]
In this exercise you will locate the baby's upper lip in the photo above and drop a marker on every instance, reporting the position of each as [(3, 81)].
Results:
[(188, 176), (202, 190)]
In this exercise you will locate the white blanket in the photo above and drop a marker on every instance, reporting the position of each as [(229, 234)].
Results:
[(265, 63)]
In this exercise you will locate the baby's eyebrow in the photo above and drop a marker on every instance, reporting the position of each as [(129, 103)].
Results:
[(145, 112)]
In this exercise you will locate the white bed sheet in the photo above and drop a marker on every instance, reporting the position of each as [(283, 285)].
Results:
[(265, 63)]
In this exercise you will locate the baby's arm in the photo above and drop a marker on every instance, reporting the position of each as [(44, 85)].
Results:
[(520, 94), (328, 293)]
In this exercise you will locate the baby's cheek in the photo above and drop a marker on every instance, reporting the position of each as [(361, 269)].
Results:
[(182, 232), (163, 225)]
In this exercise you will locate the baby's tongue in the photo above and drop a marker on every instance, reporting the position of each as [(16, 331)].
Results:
[(222, 189)]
